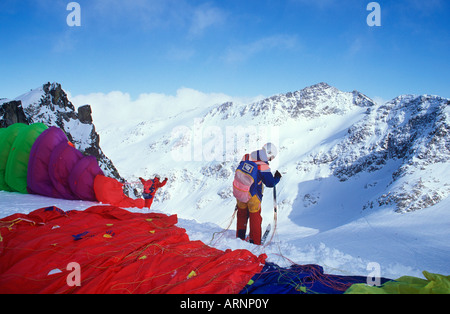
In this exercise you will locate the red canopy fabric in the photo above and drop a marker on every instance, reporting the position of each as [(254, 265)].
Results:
[(118, 252), (110, 191)]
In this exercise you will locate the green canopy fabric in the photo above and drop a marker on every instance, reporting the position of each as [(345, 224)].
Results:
[(7, 138), (3, 160), (433, 284), (16, 169)]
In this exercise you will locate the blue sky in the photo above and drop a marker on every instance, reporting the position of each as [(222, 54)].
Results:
[(237, 47)]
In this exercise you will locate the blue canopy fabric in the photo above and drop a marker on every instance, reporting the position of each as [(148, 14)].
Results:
[(300, 279)]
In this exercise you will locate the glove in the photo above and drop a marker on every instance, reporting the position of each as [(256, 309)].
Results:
[(278, 175)]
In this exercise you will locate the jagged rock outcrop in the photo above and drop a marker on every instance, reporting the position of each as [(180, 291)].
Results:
[(12, 112)]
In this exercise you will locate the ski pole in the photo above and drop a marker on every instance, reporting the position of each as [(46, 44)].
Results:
[(275, 206), (275, 214)]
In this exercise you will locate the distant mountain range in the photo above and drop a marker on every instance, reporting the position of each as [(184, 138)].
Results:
[(335, 147)]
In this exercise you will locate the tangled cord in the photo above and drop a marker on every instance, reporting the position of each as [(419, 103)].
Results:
[(224, 230)]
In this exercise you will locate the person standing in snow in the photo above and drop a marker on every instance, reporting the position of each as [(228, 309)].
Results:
[(248, 186), (150, 189)]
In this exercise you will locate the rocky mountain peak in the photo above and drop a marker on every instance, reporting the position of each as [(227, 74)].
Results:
[(311, 102)]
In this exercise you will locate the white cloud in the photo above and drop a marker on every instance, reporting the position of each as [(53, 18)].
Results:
[(356, 46), (205, 16), (379, 100), (118, 107), (179, 15), (321, 4), (65, 42), (246, 51), (143, 14), (181, 53), (425, 6)]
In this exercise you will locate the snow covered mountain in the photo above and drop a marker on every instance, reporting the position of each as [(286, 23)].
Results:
[(393, 149), (362, 181), (406, 137), (347, 163)]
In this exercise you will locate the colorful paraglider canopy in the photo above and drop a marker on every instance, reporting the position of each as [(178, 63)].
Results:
[(40, 160)]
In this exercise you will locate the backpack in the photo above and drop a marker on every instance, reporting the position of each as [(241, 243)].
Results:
[(244, 178)]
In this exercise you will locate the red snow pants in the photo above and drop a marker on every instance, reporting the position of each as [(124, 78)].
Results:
[(249, 211), (148, 202)]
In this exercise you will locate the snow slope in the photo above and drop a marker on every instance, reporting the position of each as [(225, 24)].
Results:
[(361, 182), (348, 166), (390, 239)]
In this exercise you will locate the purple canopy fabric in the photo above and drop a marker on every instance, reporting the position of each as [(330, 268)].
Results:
[(82, 176), (62, 161), (38, 178)]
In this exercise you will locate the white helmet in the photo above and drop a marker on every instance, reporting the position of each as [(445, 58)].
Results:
[(271, 151)]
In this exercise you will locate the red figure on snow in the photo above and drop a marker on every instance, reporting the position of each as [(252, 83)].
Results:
[(150, 189)]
